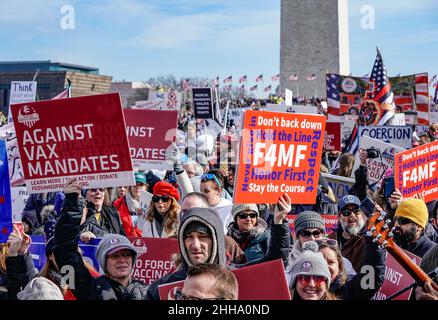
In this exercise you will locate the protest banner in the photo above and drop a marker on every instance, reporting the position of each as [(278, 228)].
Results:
[(397, 135), (279, 153), (340, 185), (332, 136), (19, 199), (263, 281), (416, 172), (330, 222), (161, 101), (154, 258), (378, 166), (5, 196), (83, 138), (21, 91), (347, 126), (396, 278), (202, 103), (38, 252), (150, 133), (236, 115)]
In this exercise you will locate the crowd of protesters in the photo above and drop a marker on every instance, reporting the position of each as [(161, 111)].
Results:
[(193, 203)]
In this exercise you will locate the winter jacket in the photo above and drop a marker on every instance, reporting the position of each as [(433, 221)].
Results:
[(20, 270), (323, 205), (37, 201), (353, 249), (360, 186), (109, 221), (149, 228), (420, 247), (67, 232), (211, 219), (353, 289), (122, 207)]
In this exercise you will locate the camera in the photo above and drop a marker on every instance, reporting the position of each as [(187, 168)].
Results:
[(373, 153)]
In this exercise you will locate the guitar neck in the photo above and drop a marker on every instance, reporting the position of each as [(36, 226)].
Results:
[(414, 270)]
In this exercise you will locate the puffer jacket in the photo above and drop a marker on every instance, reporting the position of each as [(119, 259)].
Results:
[(65, 249)]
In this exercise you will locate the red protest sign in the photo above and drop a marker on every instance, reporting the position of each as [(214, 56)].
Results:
[(81, 137), (416, 171), (263, 281), (154, 258), (332, 137), (150, 133), (396, 278), (279, 153)]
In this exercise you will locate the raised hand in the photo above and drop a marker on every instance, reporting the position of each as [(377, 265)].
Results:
[(282, 208), (72, 187)]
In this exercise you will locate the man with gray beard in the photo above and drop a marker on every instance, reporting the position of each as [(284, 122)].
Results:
[(350, 230)]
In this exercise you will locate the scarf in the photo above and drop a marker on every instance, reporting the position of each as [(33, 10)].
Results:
[(133, 205), (239, 236)]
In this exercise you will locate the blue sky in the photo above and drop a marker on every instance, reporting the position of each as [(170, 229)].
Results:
[(135, 40)]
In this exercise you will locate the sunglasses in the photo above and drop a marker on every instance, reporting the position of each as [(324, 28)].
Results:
[(246, 215), (157, 199), (304, 280), (347, 212), (402, 220), (180, 296), (102, 190), (307, 234), (210, 177), (327, 242)]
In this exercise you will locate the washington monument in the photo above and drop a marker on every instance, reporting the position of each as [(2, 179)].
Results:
[(313, 41)]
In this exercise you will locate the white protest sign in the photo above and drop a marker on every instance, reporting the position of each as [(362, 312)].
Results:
[(145, 200), (288, 95), (21, 91), (398, 120), (161, 101), (378, 166), (19, 198), (340, 185), (397, 135), (16, 176), (347, 126)]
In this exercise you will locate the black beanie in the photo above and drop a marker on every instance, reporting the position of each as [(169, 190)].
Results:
[(196, 226)]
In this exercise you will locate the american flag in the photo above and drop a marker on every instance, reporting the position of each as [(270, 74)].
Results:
[(268, 88), (215, 82), (311, 77), (333, 97), (242, 86), (293, 77), (379, 90), (253, 88), (276, 77), (432, 79), (259, 78), (435, 99), (228, 79), (228, 87), (243, 79)]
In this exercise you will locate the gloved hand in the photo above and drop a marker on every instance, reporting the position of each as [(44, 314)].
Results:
[(173, 154)]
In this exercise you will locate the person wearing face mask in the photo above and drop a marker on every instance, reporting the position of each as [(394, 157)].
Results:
[(410, 220)]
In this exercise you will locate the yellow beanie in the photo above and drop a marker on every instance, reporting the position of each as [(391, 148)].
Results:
[(415, 210)]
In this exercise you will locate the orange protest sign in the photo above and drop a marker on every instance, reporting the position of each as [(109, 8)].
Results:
[(416, 171), (279, 153)]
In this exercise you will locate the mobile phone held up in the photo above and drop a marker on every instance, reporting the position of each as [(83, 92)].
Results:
[(388, 187), (368, 206)]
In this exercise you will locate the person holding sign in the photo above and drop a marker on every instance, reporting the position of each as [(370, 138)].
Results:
[(162, 217), (115, 254), (251, 232)]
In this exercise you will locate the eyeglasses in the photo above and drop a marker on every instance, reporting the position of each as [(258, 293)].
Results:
[(211, 177), (101, 190), (326, 242), (307, 234), (157, 199), (180, 296), (304, 280), (347, 212), (252, 215), (402, 220)]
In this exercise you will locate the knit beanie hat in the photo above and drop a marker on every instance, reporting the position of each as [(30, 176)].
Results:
[(110, 244), (164, 188), (196, 226), (238, 208), (312, 264), (40, 288), (415, 210), (308, 220), (140, 177)]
